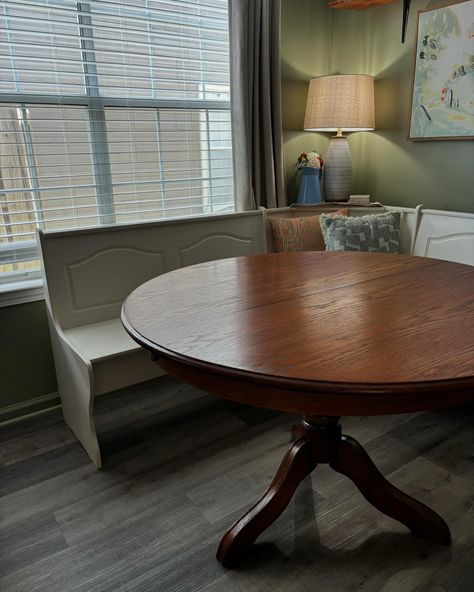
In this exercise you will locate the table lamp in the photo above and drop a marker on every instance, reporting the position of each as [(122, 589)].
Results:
[(337, 103)]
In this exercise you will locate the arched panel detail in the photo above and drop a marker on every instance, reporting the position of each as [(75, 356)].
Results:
[(457, 247), (108, 276), (215, 246)]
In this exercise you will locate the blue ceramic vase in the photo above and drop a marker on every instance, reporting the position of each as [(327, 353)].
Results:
[(310, 186)]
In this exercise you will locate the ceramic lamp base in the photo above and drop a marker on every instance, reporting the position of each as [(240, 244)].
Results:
[(338, 170)]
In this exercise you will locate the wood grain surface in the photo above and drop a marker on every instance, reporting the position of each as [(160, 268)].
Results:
[(314, 329)]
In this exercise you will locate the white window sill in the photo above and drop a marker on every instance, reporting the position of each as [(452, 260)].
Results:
[(21, 292)]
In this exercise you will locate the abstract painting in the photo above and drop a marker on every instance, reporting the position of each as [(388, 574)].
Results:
[(443, 82)]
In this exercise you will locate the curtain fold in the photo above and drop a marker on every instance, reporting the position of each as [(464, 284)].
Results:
[(256, 103)]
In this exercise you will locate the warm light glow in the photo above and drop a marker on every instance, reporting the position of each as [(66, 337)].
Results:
[(343, 101)]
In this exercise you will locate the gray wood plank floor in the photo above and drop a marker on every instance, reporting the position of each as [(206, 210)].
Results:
[(180, 467)]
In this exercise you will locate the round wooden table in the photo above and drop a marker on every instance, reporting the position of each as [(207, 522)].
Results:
[(324, 335)]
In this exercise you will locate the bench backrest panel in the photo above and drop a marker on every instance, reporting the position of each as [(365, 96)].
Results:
[(446, 235), (89, 272)]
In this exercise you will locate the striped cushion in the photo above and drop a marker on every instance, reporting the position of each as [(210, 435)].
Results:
[(298, 234)]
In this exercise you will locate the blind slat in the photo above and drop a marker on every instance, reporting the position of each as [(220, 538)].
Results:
[(110, 110)]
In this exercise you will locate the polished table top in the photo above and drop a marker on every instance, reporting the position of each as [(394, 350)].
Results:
[(359, 323), (323, 334)]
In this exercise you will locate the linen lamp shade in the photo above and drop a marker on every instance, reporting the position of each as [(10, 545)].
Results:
[(344, 101), (336, 103)]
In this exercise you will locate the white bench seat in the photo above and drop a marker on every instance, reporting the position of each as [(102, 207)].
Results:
[(99, 341)]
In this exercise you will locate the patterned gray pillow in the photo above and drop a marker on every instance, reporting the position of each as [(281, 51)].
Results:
[(377, 233)]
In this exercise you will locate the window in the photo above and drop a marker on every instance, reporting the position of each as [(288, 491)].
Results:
[(111, 111)]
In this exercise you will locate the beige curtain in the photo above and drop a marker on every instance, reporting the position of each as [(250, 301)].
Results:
[(256, 103)]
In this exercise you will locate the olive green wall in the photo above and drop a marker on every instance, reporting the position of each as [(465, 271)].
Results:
[(306, 30), (27, 375), (317, 40)]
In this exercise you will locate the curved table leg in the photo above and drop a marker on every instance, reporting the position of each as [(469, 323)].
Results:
[(298, 462), (353, 461)]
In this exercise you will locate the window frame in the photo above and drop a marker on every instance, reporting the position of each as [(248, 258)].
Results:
[(26, 286)]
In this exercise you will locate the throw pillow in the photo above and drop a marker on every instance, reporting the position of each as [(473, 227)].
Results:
[(298, 234), (377, 233)]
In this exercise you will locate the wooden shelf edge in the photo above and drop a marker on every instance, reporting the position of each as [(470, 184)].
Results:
[(357, 4)]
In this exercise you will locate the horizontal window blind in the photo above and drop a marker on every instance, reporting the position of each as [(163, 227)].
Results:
[(111, 111)]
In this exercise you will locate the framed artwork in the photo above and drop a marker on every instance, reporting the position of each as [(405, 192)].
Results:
[(443, 82)]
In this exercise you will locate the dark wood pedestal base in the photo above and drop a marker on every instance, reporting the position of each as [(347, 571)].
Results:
[(319, 440)]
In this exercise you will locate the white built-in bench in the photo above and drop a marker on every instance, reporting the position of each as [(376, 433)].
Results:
[(89, 272), (87, 275)]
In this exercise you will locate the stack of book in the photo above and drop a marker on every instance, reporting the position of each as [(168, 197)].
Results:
[(359, 200)]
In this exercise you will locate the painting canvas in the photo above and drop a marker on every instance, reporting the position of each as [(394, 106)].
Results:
[(443, 84)]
